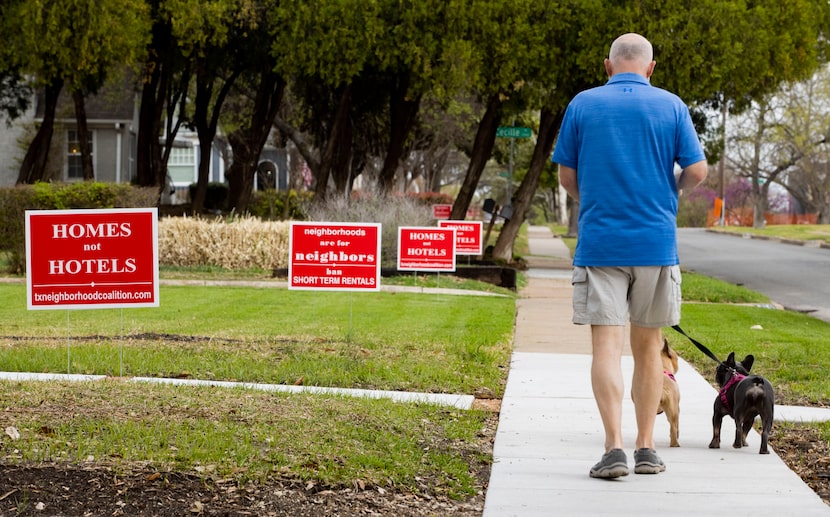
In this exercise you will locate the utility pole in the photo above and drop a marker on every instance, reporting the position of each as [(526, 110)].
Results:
[(721, 168)]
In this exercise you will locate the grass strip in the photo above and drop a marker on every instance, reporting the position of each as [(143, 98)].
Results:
[(395, 341), (246, 435)]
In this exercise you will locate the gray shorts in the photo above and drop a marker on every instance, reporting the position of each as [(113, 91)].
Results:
[(646, 296)]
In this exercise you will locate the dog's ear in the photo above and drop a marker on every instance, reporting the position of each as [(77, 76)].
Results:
[(730, 359), (747, 362)]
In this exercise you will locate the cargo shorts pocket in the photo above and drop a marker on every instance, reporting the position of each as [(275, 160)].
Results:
[(579, 280), (676, 281)]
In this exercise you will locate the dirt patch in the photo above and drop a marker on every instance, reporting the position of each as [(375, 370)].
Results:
[(88, 490), (63, 490), (803, 450), (93, 489)]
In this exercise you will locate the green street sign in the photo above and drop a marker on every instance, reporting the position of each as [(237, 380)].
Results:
[(513, 132)]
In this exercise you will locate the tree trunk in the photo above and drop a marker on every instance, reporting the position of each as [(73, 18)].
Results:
[(326, 161), (548, 128), (33, 167), (342, 165), (83, 135), (573, 218), (303, 148), (151, 165), (206, 120), (403, 113), (482, 149), (247, 143), (759, 204), (148, 127)]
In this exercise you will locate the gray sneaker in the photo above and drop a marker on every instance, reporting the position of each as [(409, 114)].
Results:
[(646, 461), (613, 464)]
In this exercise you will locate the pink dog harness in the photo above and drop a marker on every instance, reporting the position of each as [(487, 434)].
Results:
[(736, 378)]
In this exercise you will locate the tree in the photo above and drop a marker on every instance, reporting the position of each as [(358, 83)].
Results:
[(260, 92), (15, 94), (757, 155), (323, 47), (211, 36), (164, 92), (722, 68), (500, 34), (419, 53), (557, 42), (74, 43), (808, 131)]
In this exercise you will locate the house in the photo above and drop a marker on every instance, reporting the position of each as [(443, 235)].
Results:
[(112, 118), (11, 151)]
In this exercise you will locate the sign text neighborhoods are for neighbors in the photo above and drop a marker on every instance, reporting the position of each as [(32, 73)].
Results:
[(90, 259), (325, 256)]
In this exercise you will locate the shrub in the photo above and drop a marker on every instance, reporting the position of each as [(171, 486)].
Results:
[(391, 211), (233, 243), (273, 205), (693, 209), (14, 201), (216, 195), (432, 198)]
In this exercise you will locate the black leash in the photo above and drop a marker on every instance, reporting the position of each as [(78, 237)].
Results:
[(699, 345)]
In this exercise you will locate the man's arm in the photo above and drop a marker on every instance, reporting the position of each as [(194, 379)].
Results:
[(567, 178), (692, 175)]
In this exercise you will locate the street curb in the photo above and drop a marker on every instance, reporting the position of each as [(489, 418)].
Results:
[(796, 242)]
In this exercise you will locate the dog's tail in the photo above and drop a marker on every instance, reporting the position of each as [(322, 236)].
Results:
[(756, 391)]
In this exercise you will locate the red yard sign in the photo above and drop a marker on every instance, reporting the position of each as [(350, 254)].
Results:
[(342, 256), (426, 248), (441, 211), (468, 239), (92, 259)]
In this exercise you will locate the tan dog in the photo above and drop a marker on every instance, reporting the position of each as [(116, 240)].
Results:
[(670, 396), (670, 393)]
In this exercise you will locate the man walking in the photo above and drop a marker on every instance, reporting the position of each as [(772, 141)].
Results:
[(617, 150)]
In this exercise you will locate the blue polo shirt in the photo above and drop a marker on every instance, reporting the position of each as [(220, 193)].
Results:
[(623, 139)]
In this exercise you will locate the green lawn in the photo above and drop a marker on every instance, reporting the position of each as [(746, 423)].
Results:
[(399, 341), (379, 340), (415, 342), (803, 232)]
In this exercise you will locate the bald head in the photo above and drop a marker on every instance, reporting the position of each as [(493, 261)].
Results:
[(630, 53)]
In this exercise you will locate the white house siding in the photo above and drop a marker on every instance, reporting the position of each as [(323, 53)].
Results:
[(11, 154)]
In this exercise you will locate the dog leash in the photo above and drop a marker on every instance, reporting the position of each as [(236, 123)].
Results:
[(699, 345)]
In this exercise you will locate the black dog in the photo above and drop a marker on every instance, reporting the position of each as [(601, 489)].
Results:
[(743, 397)]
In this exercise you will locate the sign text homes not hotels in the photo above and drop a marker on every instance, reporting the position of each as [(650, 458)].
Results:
[(92, 259), (426, 248)]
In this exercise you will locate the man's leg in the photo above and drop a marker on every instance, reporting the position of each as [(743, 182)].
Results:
[(647, 382), (607, 380)]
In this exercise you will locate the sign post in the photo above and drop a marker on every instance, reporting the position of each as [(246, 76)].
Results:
[(512, 132)]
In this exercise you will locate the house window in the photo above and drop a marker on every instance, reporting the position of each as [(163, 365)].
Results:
[(181, 166), (74, 164)]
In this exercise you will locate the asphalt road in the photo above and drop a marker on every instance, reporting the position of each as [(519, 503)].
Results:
[(797, 277)]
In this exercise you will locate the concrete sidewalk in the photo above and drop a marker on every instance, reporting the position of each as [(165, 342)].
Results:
[(550, 432)]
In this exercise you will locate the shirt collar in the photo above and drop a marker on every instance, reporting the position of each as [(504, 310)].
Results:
[(630, 77)]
